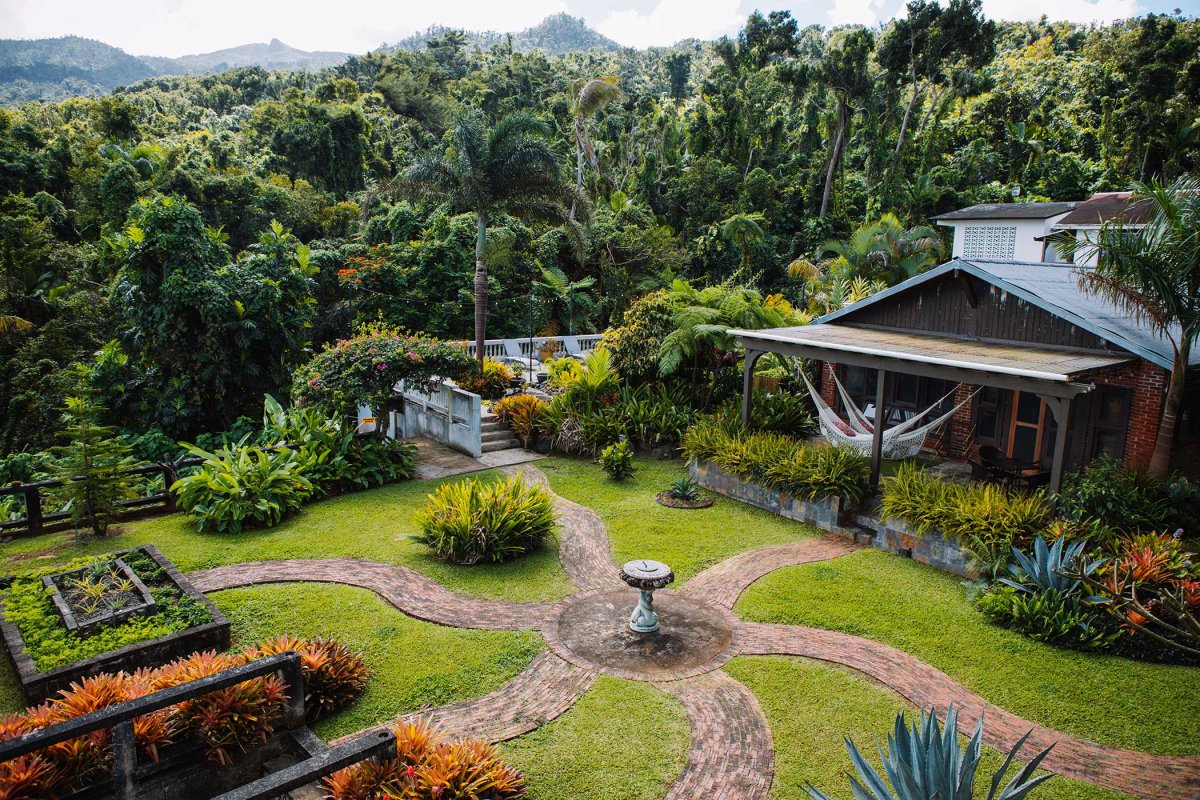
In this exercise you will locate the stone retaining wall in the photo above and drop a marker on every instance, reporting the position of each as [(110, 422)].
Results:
[(828, 514)]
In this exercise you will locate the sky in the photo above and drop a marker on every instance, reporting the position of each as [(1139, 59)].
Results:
[(179, 27)]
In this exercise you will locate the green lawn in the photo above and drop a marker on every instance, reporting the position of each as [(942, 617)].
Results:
[(687, 540), (811, 706), (623, 740), (413, 664), (1149, 707), (373, 525)]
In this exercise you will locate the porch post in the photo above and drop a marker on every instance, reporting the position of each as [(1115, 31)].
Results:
[(748, 382), (877, 435), (1061, 408)]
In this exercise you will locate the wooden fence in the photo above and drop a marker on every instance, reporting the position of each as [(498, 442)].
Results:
[(37, 520)]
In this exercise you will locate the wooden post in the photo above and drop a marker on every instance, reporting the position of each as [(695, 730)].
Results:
[(880, 422), (748, 383), (124, 761), (1061, 408), (33, 509), (293, 679)]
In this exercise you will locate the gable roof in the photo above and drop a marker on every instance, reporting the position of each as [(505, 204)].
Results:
[(1053, 288), (1108, 207), (1008, 211)]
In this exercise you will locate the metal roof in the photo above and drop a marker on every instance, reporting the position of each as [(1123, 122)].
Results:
[(1108, 207), (1021, 360), (1008, 211), (1055, 289)]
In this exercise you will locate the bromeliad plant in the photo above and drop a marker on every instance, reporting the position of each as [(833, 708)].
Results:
[(471, 522), (924, 761), (522, 413)]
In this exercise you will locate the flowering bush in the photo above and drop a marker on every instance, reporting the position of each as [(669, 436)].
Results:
[(366, 367), (228, 720)]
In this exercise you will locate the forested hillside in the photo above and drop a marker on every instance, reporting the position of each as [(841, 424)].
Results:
[(193, 238)]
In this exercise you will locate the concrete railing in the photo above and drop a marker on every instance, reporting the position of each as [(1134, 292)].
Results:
[(520, 348), (449, 414)]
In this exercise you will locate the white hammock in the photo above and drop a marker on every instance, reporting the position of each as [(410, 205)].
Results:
[(902, 441)]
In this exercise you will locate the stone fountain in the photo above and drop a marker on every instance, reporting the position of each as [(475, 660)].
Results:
[(646, 576)]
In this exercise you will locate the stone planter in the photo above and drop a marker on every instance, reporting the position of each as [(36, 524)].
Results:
[(828, 514), (930, 548), (37, 686)]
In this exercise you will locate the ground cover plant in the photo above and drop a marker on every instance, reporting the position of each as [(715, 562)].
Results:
[(28, 605), (227, 721), (927, 613), (777, 461), (471, 521)]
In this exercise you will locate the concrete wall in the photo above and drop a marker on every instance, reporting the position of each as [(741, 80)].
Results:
[(931, 548), (449, 415)]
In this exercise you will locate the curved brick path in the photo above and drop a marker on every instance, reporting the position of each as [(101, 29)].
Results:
[(409, 591), (583, 541), (722, 584), (1140, 774), (732, 756)]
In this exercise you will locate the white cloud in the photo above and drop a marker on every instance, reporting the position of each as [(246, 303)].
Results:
[(1072, 10), (180, 27), (672, 20), (855, 12)]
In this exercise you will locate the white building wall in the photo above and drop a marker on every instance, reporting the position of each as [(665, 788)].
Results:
[(1002, 239)]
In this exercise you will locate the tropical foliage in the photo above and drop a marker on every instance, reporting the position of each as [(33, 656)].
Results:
[(470, 521)]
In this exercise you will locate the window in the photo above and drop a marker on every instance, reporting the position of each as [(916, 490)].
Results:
[(990, 241), (1110, 423), (988, 415)]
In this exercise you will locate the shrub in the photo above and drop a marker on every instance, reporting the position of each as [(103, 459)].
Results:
[(617, 461), (333, 675), (978, 516), (563, 371), (491, 381), (469, 521), (427, 767), (653, 416), (228, 721), (522, 414), (236, 485), (777, 461), (1128, 501), (1049, 615), (635, 343), (777, 412), (934, 764), (375, 462)]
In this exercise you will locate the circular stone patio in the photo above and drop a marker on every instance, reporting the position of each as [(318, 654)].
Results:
[(592, 631)]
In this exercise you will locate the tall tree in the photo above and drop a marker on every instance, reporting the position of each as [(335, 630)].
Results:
[(744, 230), (587, 98), (1154, 274), (846, 70), (510, 168)]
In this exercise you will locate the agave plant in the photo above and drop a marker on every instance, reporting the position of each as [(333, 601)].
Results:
[(685, 490), (925, 762), (1049, 567)]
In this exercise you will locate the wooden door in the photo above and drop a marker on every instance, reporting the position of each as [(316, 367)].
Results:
[(1027, 435)]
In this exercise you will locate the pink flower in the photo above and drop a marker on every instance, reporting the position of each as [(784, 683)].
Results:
[(381, 367)]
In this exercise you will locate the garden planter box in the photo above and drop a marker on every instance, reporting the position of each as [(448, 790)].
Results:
[(930, 548), (37, 686), (829, 514)]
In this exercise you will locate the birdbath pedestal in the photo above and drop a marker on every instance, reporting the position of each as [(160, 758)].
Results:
[(646, 576)]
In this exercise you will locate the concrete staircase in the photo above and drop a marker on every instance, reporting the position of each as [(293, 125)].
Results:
[(495, 435)]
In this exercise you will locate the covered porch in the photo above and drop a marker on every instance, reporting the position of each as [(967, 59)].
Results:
[(1055, 375)]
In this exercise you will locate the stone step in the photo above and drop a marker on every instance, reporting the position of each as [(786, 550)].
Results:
[(504, 444), (493, 426), (495, 436)]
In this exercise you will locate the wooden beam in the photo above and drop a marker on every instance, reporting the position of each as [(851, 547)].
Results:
[(1061, 408), (880, 422)]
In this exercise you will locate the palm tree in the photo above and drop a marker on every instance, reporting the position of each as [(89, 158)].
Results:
[(744, 230), (587, 98), (511, 169), (13, 324), (1153, 273), (907, 252), (572, 294)]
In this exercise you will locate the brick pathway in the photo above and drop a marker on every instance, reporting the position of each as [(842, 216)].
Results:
[(722, 584), (547, 688), (1141, 774), (409, 591), (583, 545), (732, 756)]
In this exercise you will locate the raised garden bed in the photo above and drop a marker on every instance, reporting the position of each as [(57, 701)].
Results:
[(123, 611), (930, 548), (829, 514)]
